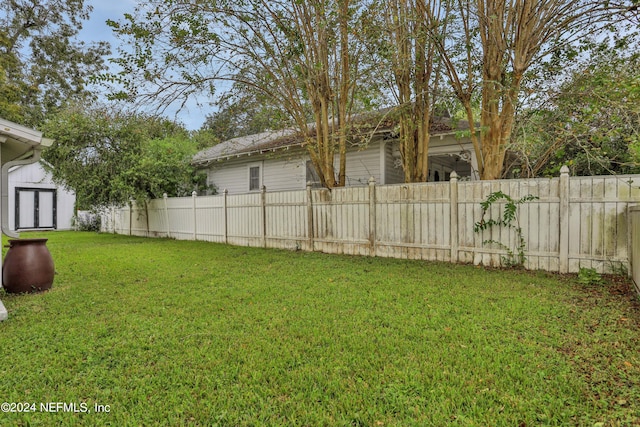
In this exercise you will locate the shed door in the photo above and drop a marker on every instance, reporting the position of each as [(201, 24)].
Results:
[(35, 208)]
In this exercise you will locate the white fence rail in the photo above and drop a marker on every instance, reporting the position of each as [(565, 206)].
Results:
[(575, 222)]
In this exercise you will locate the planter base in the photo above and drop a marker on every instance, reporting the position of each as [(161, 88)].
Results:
[(28, 266)]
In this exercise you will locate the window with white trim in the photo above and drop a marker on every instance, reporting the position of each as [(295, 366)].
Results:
[(254, 178)]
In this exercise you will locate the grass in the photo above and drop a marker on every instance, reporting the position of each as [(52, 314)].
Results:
[(190, 333)]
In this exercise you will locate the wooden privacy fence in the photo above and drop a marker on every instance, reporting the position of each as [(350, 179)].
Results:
[(575, 222), (634, 255)]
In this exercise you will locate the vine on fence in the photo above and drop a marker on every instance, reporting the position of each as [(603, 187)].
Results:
[(515, 256)]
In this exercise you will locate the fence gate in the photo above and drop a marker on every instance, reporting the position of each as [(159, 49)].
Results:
[(35, 208)]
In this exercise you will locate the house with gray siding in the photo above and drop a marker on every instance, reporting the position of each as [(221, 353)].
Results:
[(278, 160)]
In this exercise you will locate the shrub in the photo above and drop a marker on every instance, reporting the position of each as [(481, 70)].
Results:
[(87, 221)]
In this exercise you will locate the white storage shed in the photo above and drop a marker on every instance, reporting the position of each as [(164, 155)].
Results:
[(36, 202)]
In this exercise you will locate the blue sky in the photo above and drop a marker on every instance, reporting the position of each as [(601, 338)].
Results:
[(96, 29)]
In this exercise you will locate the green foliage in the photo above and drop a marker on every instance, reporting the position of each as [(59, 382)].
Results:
[(90, 222), (168, 53), (204, 138), (109, 157), (515, 256), (242, 112), (591, 123), (589, 276), (164, 167), (42, 64)]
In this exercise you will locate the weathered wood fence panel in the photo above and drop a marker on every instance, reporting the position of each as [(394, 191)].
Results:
[(574, 222), (413, 221), (158, 223), (599, 222), (290, 233), (341, 220), (634, 256)]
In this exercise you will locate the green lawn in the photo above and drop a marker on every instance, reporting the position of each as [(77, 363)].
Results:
[(164, 332)]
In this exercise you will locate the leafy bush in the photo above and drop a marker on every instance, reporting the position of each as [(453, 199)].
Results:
[(589, 276), (87, 221)]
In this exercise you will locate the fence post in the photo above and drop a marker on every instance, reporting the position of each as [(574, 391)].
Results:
[(372, 215), (166, 214), (453, 226), (225, 235), (632, 240), (113, 218), (263, 202), (194, 195), (130, 216), (563, 258), (310, 216)]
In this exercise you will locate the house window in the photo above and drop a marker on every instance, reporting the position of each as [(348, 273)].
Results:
[(254, 178)]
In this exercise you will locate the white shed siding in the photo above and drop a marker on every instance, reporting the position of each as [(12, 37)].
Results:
[(34, 176), (29, 175)]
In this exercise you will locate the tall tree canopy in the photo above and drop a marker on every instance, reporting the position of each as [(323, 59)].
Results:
[(244, 111), (591, 122), (409, 53), (42, 63), (314, 60), (108, 156)]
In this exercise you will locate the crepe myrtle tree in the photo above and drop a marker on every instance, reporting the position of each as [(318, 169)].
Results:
[(410, 60), (313, 60), (493, 46), (302, 57)]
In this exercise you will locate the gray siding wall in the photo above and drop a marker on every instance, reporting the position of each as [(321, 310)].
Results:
[(278, 173), (363, 164), (285, 170), (393, 174), (281, 172), (231, 175)]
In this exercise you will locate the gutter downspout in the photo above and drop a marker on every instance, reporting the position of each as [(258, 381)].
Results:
[(26, 159)]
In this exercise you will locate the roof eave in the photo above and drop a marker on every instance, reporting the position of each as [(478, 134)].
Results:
[(208, 161)]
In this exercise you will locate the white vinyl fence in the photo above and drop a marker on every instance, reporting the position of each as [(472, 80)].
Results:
[(575, 222)]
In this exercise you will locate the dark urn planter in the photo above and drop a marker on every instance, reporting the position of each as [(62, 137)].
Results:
[(28, 266)]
